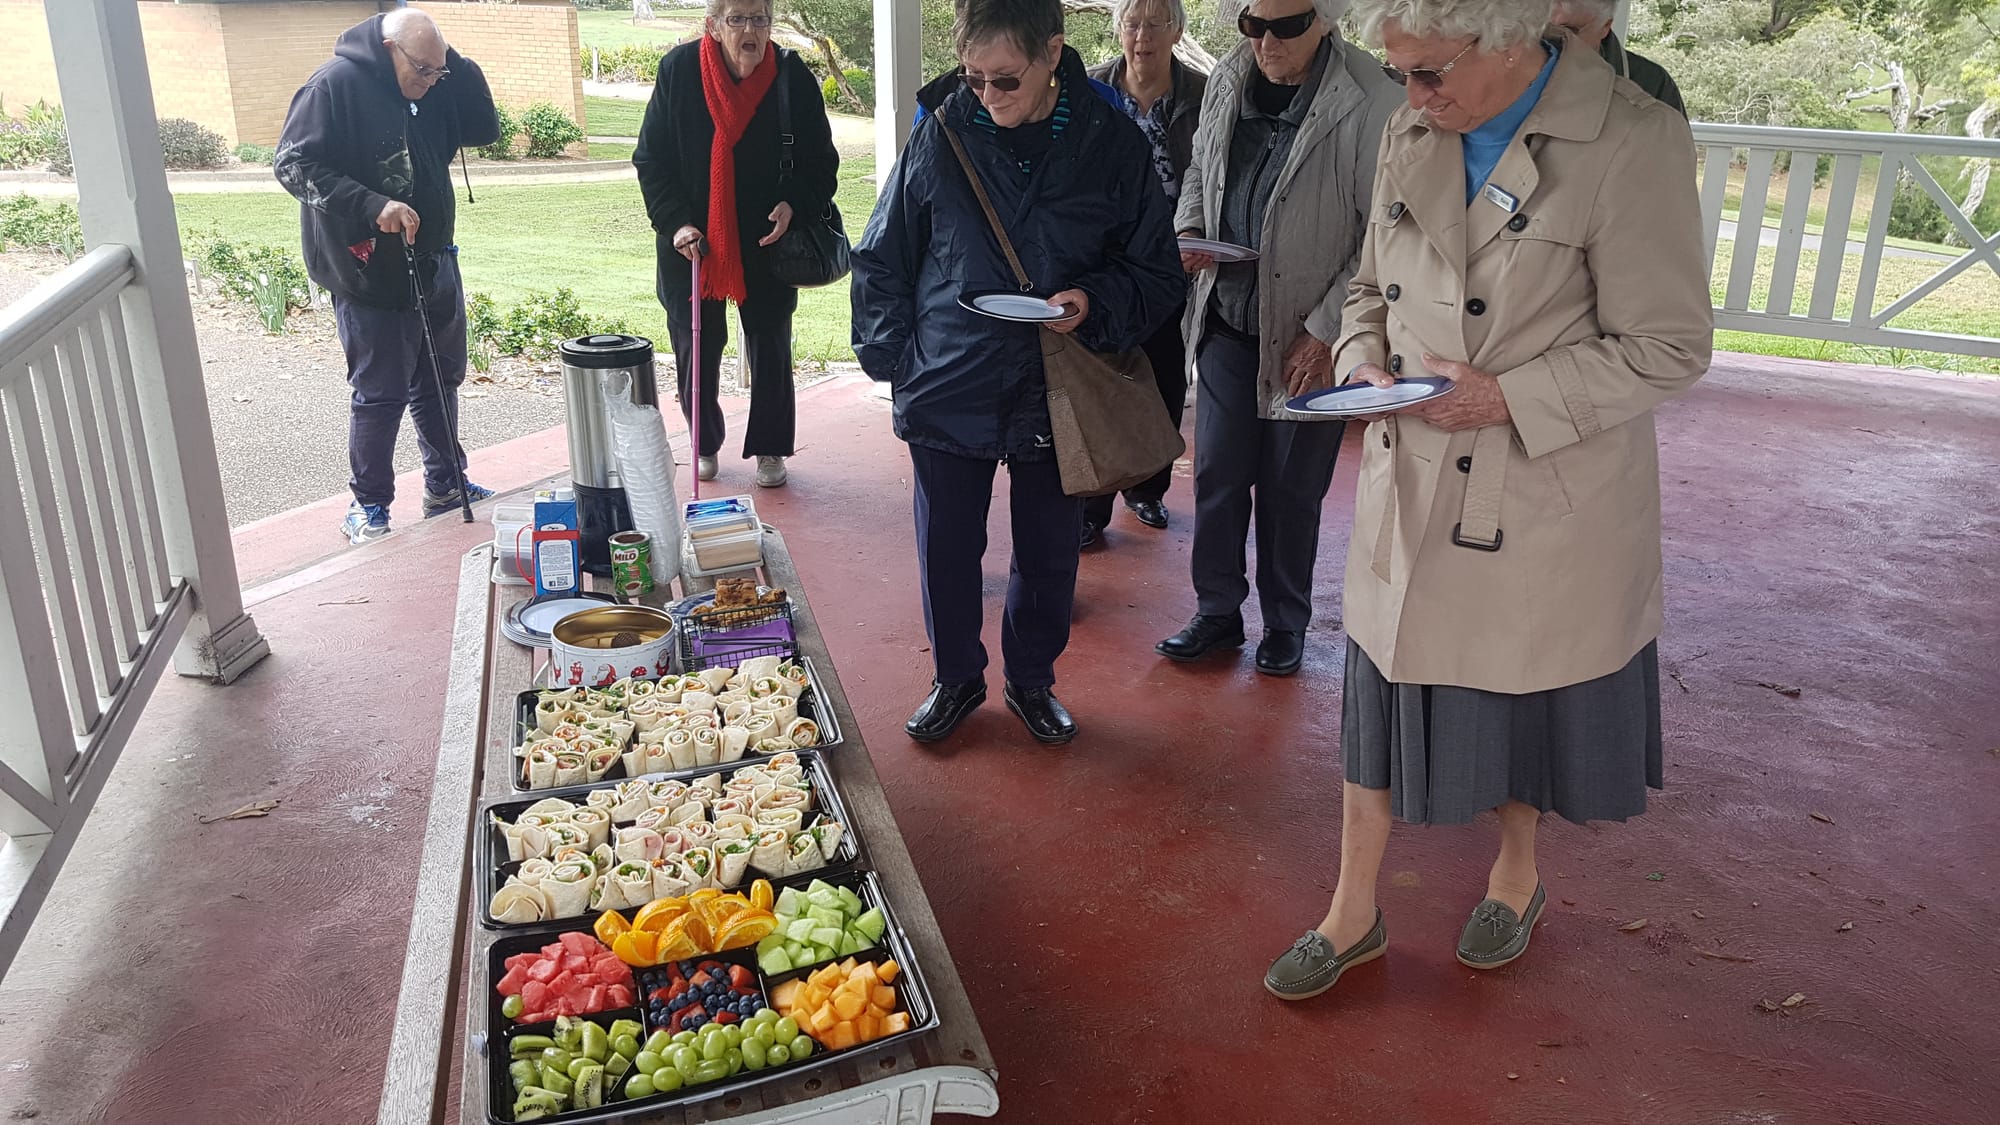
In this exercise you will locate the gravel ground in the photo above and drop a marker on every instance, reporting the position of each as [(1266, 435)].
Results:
[(279, 403)]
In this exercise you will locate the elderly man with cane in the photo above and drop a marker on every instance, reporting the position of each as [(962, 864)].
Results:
[(367, 150)]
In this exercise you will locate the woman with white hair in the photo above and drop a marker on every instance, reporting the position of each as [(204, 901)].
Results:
[(1535, 240), (1283, 163), (1162, 95)]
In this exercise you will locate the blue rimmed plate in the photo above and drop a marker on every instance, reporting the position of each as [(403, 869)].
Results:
[(1367, 398)]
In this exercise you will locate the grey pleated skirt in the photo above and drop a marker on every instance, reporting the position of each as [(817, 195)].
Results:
[(1585, 752)]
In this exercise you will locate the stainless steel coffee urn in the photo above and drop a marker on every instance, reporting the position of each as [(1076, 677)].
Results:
[(598, 370)]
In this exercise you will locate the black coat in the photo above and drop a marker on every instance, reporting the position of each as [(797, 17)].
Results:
[(673, 158), (1090, 216), (352, 142)]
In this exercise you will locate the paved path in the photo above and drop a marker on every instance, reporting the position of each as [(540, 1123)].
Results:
[(1768, 236)]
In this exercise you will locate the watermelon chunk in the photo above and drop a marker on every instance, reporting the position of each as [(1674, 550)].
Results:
[(607, 969), (520, 961), (562, 982), (534, 997), (510, 985), (594, 999), (575, 942), (543, 970), (620, 996)]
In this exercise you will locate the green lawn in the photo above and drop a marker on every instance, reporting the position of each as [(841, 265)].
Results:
[(592, 238), (612, 117), (610, 151), (605, 30)]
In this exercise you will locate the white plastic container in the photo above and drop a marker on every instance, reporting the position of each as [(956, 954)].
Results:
[(513, 553)]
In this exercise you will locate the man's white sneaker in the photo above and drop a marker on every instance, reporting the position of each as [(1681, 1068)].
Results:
[(771, 472)]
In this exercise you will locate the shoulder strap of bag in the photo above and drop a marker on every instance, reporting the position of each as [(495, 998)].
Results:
[(784, 117), (986, 205)]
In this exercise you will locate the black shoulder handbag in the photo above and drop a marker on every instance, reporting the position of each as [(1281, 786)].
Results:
[(813, 250)]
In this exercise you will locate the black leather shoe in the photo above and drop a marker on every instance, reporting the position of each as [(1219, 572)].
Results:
[(1281, 652), (1047, 719), (944, 708), (1152, 513), (1089, 535), (1203, 632)]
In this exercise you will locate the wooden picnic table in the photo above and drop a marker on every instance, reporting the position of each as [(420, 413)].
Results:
[(947, 1070)]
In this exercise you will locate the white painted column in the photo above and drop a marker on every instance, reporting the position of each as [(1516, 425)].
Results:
[(1621, 17), (899, 64), (122, 196)]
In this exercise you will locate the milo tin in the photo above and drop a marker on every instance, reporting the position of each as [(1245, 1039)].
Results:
[(632, 563)]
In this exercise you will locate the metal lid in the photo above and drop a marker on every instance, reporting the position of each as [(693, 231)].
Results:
[(607, 350)]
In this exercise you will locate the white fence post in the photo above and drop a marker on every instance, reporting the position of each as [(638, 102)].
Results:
[(122, 198)]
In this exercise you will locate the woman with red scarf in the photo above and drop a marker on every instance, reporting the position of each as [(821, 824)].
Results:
[(708, 160)]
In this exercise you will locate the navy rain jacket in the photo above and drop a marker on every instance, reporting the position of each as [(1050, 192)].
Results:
[(1089, 216)]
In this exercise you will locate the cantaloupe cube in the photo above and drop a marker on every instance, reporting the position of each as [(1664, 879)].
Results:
[(868, 1027), (883, 997), (896, 1022), (864, 972), (887, 971), (842, 1036), (827, 976), (849, 1004), (783, 995), (823, 1019)]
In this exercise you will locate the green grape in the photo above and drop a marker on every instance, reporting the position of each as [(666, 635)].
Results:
[(657, 1042), (714, 1047), (648, 1062), (801, 1049), (711, 1070), (787, 1030), (734, 1034), (668, 1080), (686, 1058), (680, 1037), (765, 1014), (753, 1054), (639, 1086), (627, 1045), (766, 1036), (511, 1007)]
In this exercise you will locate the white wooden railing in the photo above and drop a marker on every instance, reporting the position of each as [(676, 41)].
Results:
[(1837, 301), (89, 614)]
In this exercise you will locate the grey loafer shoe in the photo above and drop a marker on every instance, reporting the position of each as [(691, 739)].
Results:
[(1310, 966), (1495, 935)]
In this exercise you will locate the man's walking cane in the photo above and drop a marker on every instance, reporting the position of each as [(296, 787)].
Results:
[(437, 374), (694, 377)]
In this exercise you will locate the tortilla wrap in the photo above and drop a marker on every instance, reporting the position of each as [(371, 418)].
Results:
[(568, 887), (517, 903)]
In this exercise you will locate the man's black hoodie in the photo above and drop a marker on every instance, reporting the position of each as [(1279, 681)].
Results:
[(352, 142)]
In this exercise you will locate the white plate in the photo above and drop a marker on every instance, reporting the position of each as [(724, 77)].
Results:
[(1008, 305), (531, 622), (1220, 251), (1366, 398)]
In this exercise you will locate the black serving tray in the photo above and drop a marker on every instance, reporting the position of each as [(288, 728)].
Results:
[(495, 867), (810, 707), (912, 993)]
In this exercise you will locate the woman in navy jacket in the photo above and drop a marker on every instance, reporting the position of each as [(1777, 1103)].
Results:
[(1073, 183)]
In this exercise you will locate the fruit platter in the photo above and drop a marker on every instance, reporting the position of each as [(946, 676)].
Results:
[(698, 1026), (639, 727), (579, 851)]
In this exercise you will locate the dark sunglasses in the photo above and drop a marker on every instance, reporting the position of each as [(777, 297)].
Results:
[(1284, 27), (1424, 76), (1006, 84)]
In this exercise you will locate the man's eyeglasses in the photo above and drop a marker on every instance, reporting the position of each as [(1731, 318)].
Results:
[(738, 23), (1133, 27), (1423, 76), (1284, 27), (1006, 83), (427, 73)]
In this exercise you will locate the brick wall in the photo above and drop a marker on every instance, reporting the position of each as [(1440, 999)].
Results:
[(528, 50), (234, 67)]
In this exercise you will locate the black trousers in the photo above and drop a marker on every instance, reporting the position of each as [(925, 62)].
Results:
[(766, 313), (1241, 462), (952, 497), (389, 369), (1167, 351)]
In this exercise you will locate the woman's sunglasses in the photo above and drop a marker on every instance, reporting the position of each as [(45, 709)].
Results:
[(1006, 84), (1424, 76), (1284, 27)]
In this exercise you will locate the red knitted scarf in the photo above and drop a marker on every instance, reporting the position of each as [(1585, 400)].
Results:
[(731, 104)]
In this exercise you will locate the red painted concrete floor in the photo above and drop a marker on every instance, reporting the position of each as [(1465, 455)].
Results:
[(1112, 905)]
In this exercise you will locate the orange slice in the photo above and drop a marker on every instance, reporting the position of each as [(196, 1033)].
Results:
[(609, 925), (676, 945), (747, 928), (655, 915), (760, 894), (637, 947), (691, 928)]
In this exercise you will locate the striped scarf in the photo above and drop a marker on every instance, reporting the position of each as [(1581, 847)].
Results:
[(1057, 121)]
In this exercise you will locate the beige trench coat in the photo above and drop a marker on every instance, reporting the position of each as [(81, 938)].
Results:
[(1525, 557), (1312, 231)]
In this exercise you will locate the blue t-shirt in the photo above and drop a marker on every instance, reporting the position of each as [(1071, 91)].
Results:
[(1485, 144)]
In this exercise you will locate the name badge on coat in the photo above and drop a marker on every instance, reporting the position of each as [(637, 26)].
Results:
[(1500, 199)]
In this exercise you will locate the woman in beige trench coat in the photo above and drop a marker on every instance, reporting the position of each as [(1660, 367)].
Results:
[(1535, 238)]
